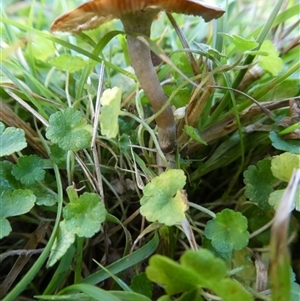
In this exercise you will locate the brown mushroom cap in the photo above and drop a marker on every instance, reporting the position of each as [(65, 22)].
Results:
[(92, 14)]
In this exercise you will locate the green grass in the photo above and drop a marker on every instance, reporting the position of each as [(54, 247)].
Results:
[(83, 211)]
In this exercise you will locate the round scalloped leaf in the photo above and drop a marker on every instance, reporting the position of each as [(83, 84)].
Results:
[(282, 166), (12, 140), (12, 203), (164, 200), (84, 215), (29, 169), (228, 231), (68, 62), (69, 130), (259, 182)]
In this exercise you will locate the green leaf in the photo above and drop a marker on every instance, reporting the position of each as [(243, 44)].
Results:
[(208, 51), (63, 240), (230, 290), (194, 134), (197, 269), (164, 200), (292, 146), (272, 62), (7, 180), (111, 101), (142, 285), (11, 140), (57, 154), (259, 180), (29, 169), (69, 130), (295, 291), (257, 218), (282, 166), (68, 62), (295, 288), (209, 268), (228, 231), (173, 276), (14, 203), (84, 215), (41, 48), (276, 196), (241, 43), (193, 295), (5, 227), (44, 196)]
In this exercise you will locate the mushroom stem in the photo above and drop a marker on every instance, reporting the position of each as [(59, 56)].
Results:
[(140, 23)]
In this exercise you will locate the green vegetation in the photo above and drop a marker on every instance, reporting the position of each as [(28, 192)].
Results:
[(85, 211)]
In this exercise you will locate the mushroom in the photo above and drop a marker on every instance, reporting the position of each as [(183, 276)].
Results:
[(137, 17)]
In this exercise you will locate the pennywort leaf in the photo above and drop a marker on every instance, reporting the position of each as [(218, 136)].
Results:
[(228, 231), (11, 140), (272, 62), (259, 180), (195, 270), (7, 180), (69, 130), (164, 200), (84, 215), (13, 203), (29, 169), (68, 62), (282, 166)]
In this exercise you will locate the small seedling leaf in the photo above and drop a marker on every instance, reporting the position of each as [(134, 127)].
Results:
[(194, 134), (272, 62), (259, 180), (164, 200), (111, 101), (84, 215), (63, 240), (29, 169), (11, 140), (282, 166), (69, 130), (228, 231), (68, 62), (12, 203), (241, 43)]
